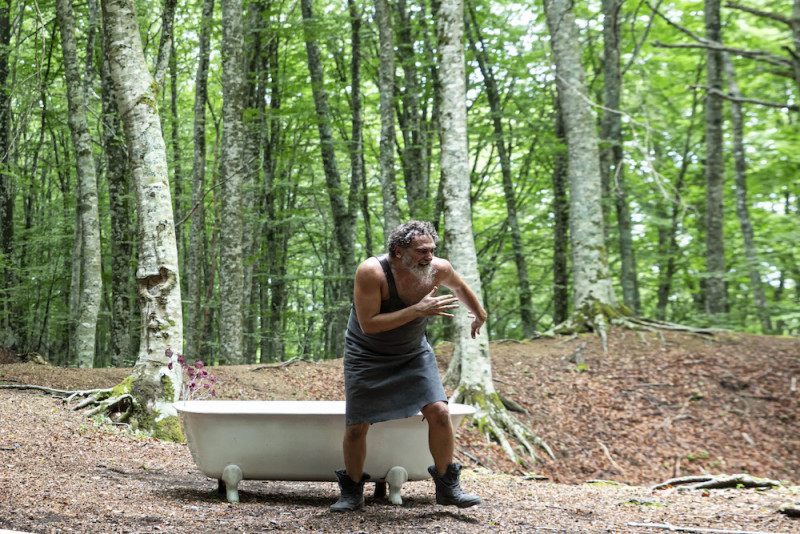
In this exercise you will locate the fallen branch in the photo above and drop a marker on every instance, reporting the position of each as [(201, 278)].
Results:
[(792, 510), (287, 363), (673, 528), (718, 482)]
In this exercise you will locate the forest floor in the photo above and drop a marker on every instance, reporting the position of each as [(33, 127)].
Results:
[(650, 409)]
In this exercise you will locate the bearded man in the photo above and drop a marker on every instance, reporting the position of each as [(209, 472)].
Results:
[(390, 370)]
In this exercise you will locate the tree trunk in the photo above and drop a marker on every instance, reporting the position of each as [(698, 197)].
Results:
[(121, 212), (177, 158), (232, 172), (416, 178), (153, 385), (611, 154), (343, 216), (742, 210), (91, 269), (357, 122), (391, 210), (7, 192), (495, 106), (560, 224), (196, 253), (716, 291), (470, 366), (594, 299)]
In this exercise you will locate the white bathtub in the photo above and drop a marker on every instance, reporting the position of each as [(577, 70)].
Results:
[(300, 440)]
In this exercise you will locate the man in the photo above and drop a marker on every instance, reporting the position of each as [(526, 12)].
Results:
[(389, 368)]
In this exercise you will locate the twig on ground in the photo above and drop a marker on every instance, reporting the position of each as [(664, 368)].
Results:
[(719, 482), (673, 528)]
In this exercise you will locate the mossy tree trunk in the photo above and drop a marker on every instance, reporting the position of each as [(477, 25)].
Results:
[(146, 396)]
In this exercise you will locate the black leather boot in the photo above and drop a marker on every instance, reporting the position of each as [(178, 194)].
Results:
[(448, 487), (352, 493)]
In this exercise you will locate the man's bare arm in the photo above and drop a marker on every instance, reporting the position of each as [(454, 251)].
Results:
[(466, 295)]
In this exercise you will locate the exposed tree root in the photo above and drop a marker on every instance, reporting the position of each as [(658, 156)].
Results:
[(493, 419), (67, 395), (718, 482)]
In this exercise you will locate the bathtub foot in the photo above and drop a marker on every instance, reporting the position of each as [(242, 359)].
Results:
[(231, 476), (396, 477)]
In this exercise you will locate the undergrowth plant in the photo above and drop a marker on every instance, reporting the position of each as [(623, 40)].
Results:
[(197, 383)]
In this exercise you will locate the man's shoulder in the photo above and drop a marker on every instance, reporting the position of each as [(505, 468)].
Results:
[(371, 267)]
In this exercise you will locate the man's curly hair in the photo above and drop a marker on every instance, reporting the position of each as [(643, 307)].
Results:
[(405, 233)]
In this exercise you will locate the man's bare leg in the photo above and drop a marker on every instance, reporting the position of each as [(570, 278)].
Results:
[(446, 473), (355, 449), (441, 439)]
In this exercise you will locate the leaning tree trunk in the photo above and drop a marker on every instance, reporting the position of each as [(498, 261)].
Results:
[(470, 366), (742, 210), (232, 171), (594, 300), (344, 215), (716, 293), (391, 211), (611, 154), (518, 248), (85, 326), (152, 386), (195, 255)]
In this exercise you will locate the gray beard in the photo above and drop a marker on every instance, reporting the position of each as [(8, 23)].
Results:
[(417, 270)]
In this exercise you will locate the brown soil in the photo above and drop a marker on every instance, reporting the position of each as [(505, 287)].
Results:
[(650, 409)]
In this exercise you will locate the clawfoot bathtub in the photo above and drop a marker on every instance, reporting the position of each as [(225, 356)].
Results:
[(300, 440)]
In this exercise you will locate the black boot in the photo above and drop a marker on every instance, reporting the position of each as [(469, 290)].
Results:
[(352, 497), (448, 488)]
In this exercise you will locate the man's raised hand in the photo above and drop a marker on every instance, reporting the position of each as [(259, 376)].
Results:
[(433, 305)]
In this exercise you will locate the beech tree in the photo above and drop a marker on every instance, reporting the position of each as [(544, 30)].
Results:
[(88, 221)]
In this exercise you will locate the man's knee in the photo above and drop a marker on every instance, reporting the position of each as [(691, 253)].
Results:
[(356, 432), (437, 413)]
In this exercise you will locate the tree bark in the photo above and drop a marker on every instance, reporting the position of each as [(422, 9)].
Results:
[(391, 210), (594, 299), (195, 257), (561, 223), (742, 210), (611, 154), (121, 213), (232, 171), (154, 385), (7, 190), (89, 258), (716, 291), (495, 106)]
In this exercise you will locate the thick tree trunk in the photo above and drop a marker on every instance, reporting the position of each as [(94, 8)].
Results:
[(594, 299), (391, 210), (121, 212), (344, 218), (154, 386), (195, 256), (716, 292), (518, 248), (233, 169), (742, 209), (611, 153), (90, 261)]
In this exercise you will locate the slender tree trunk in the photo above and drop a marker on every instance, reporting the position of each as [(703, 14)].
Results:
[(233, 169), (343, 215), (91, 269), (413, 137), (611, 154), (196, 253), (158, 284), (391, 210), (357, 122), (493, 95), (7, 191), (716, 292), (121, 212), (742, 210), (594, 298), (177, 158), (561, 224)]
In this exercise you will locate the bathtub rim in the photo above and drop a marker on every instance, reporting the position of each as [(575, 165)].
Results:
[(282, 407)]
